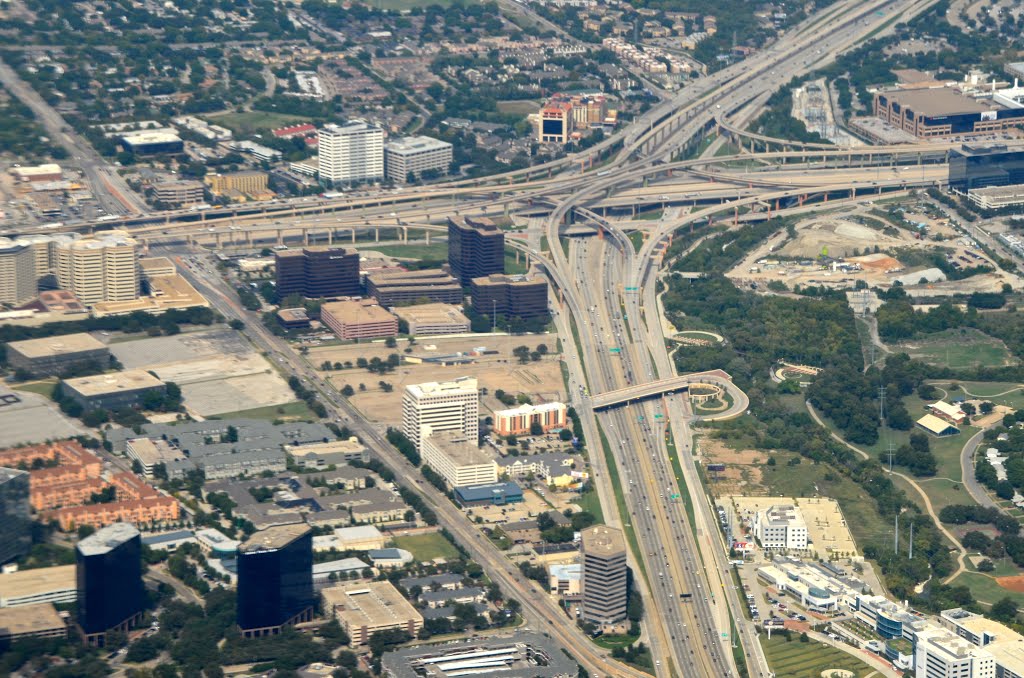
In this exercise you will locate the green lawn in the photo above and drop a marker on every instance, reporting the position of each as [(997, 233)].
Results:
[(435, 250), (589, 501), (427, 546), (1013, 395), (637, 238), (44, 388), (404, 5), (985, 589), (511, 266), (250, 122), (794, 659), (650, 215), (518, 106), (959, 349), (287, 412)]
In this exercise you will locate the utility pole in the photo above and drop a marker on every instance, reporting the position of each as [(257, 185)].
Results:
[(896, 535), (911, 555), (890, 456)]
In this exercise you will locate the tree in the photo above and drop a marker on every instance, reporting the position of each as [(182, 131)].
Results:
[(536, 428), (390, 342), (348, 391), (1004, 610)]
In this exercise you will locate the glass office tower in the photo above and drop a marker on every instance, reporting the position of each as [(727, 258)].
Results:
[(111, 595), (275, 580), (15, 514), (974, 166)]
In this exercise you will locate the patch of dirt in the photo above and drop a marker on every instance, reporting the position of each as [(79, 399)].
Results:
[(1015, 583)]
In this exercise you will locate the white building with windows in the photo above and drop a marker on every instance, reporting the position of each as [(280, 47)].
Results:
[(458, 458), (443, 406), (781, 527), (416, 155), (350, 153), (940, 653)]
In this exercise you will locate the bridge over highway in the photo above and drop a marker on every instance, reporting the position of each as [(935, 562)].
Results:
[(681, 383)]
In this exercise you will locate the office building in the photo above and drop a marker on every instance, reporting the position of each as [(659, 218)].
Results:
[(362, 319), (414, 156), (605, 575), (555, 122), (781, 527), (443, 406), (520, 420), (317, 272), (101, 268), (41, 173), (565, 580), (111, 595), (350, 153), (152, 452), (392, 288), (364, 609), (521, 655), (152, 143), (495, 494), (17, 273), (31, 621), (112, 391), (458, 458), (275, 580), (476, 247), (331, 453), (943, 111), (997, 197), (511, 296), (976, 166), (180, 192), (56, 584), (427, 320), (15, 514), (293, 318), (252, 183), (59, 355), (939, 653)]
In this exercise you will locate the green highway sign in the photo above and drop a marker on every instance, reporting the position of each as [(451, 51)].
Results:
[(615, 350), (657, 416), (631, 289)]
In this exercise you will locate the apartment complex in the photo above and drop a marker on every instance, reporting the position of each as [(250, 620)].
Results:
[(358, 319), (350, 153), (392, 288), (316, 272), (458, 458), (426, 320), (476, 247), (414, 156), (443, 406), (364, 609), (111, 596), (15, 514), (275, 580), (605, 583), (100, 268), (56, 356), (511, 296), (519, 420), (781, 527)]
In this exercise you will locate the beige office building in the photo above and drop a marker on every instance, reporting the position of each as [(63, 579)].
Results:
[(363, 609), (458, 458), (102, 268), (18, 282), (605, 575), (444, 406)]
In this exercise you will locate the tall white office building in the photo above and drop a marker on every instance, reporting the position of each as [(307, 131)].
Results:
[(101, 268), (443, 406), (350, 153)]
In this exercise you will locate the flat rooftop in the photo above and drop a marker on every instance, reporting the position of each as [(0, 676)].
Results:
[(275, 537), (504, 279), (352, 445), (460, 448), (357, 312), (55, 346), (422, 277), (23, 619), (417, 144), (156, 263), (522, 655), (38, 581), (1014, 191), (937, 101), (102, 384), (602, 540), (429, 388), (375, 603), (431, 313), (107, 539), (314, 248)]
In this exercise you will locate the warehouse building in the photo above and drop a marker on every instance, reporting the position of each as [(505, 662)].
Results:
[(112, 391), (58, 355), (364, 609), (392, 288), (362, 319), (458, 458), (943, 111), (512, 296), (427, 320), (416, 155)]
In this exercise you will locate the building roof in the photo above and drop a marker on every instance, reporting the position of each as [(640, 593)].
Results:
[(29, 619), (37, 581), (602, 540), (568, 572), (150, 137), (433, 388), (107, 539), (428, 581), (217, 539), (444, 594), (292, 315), (461, 449), (350, 445), (522, 655), (357, 532), (55, 346), (275, 537), (484, 492), (431, 314), (530, 409), (103, 384), (157, 263), (374, 603), (506, 279), (783, 515), (933, 424), (357, 312), (947, 409), (937, 101), (426, 276), (168, 537), (416, 144), (340, 565)]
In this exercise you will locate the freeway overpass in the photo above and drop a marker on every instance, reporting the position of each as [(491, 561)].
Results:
[(676, 384)]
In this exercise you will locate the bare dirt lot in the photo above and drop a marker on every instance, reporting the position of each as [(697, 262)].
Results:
[(1015, 584), (742, 473)]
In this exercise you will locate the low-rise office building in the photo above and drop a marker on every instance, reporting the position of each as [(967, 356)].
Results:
[(112, 391), (392, 288), (152, 452), (426, 320), (943, 111), (363, 319), (180, 192), (331, 453), (364, 609), (781, 527), (496, 494), (414, 156), (55, 356), (459, 459), (512, 296)]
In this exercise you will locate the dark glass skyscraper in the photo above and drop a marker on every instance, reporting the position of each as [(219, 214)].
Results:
[(316, 272), (111, 595), (275, 579), (15, 514), (977, 166), (476, 247)]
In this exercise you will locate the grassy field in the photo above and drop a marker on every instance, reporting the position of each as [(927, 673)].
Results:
[(637, 238), (985, 589), (252, 122), (435, 250), (288, 412), (513, 268), (518, 106), (589, 501), (794, 659), (427, 546), (650, 215), (958, 349), (1000, 393), (405, 5), (41, 387)]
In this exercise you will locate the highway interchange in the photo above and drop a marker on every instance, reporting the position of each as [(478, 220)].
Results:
[(608, 291)]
